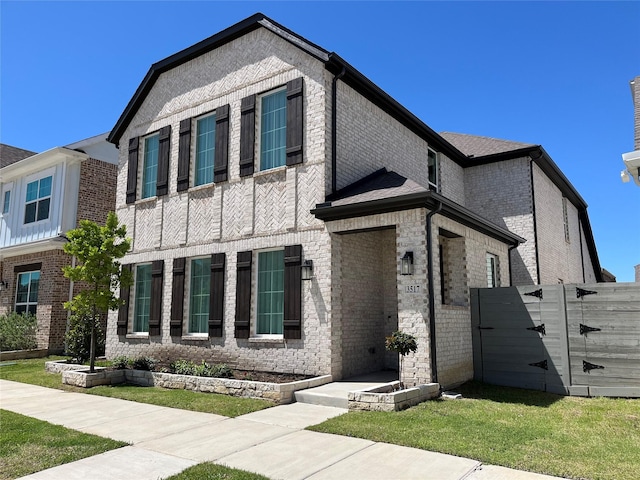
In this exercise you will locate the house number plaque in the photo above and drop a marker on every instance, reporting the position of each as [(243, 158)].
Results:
[(412, 289)]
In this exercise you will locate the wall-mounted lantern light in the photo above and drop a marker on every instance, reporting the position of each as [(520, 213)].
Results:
[(307, 269), (3, 285), (407, 264)]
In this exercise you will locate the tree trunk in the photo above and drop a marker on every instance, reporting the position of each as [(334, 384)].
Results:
[(92, 348)]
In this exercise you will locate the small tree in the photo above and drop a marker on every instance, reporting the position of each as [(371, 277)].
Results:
[(97, 250), (402, 343)]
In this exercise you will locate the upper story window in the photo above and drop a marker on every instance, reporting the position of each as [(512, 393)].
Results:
[(205, 150), (150, 166), (432, 165), (273, 130), (565, 219), (492, 271), (27, 292), (38, 200), (6, 202)]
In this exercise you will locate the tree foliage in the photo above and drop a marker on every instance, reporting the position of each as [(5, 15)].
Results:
[(97, 250), (402, 343)]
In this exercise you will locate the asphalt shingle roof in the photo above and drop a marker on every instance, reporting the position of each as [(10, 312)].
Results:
[(477, 146), (9, 154)]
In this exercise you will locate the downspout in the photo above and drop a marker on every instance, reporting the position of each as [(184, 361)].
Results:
[(432, 296), (535, 218), (334, 127)]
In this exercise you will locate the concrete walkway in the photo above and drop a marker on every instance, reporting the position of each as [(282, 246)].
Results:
[(272, 442)]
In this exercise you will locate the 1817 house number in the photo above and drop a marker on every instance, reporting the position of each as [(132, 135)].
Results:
[(412, 289)]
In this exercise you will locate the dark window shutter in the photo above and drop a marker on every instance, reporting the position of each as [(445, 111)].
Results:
[(216, 295), (123, 312), (155, 309), (221, 162), (295, 121), (184, 154), (292, 291), (243, 295), (132, 170), (164, 149), (247, 135), (177, 297)]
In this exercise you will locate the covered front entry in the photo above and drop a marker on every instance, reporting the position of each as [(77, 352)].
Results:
[(368, 299)]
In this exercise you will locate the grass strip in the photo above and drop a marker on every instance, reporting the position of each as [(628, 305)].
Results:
[(32, 371), (573, 437), (28, 445), (211, 471)]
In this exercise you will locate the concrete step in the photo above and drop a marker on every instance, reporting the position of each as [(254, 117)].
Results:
[(325, 399)]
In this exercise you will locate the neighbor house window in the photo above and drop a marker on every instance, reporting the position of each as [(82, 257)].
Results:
[(142, 298), (273, 130), (432, 165), (150, 166), (199, 289), (6, 202), (38, 200), (27, 292), (492, 271), (565, 218), (205, 150), (270, 293)]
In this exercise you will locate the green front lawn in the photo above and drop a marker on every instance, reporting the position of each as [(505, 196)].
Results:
[(211, 471), (28, 445), (32, 371), (581, 438)]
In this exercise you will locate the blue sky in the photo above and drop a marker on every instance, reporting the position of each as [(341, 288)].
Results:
[(549, 73)]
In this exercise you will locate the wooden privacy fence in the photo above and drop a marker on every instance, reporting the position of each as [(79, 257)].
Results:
[(569, 339)]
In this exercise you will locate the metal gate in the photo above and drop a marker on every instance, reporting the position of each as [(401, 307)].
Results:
[(566, 339)]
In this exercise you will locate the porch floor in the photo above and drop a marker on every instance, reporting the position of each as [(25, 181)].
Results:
[(336, 394)]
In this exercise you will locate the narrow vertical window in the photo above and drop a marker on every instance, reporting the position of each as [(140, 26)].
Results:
[(492, 271), (205, 150), (27, 292), (199, 291), (150, 166), (270, 293), (142, 298), (273, 130), (6, 202), (565, 218), (38, 200), (432, 165)]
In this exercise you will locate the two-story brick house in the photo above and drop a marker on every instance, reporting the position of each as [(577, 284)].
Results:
[(43, 196), (287, 215)]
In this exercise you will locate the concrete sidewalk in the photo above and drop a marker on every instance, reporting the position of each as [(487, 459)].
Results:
[(272, 442)]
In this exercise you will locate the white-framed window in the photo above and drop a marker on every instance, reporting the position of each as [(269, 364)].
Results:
[(270, 296), (150, 165), (273, 129), (27, 292), (199, 292), (205, 150), (493, 279), (142, 299), (38, 200), (6, 202), (432, 169), (565, 219)]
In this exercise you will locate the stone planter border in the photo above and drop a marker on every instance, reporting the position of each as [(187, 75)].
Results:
[(279, 393), (386, 398), (23, 354)]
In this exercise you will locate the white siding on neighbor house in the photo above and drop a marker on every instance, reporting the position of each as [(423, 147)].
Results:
[(62, 207)]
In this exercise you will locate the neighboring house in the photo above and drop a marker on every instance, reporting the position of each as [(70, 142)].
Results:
[(43, 196), (519, 187), (287, 215), (632, 159)]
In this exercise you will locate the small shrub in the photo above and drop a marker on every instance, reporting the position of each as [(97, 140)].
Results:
[(183, 367), (144, 363), (188, 367), (121, 363), (79, 337), (221, 370), (18, 331)]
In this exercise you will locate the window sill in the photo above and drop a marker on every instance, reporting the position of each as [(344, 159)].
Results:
[(267, 340), (270, 171), (199, 188), (137, 336), (195, 338), (144, 201)]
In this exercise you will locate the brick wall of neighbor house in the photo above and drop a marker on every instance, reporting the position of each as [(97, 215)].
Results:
[(637, 270), (635, 92), (369, 139), (97, 192), (454, 347), (53, 290), (266, 210), (559, 260), (485, 194)]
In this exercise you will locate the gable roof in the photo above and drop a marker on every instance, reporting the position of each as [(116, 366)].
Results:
[(333, 63), (477, 146), (10, 155)]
